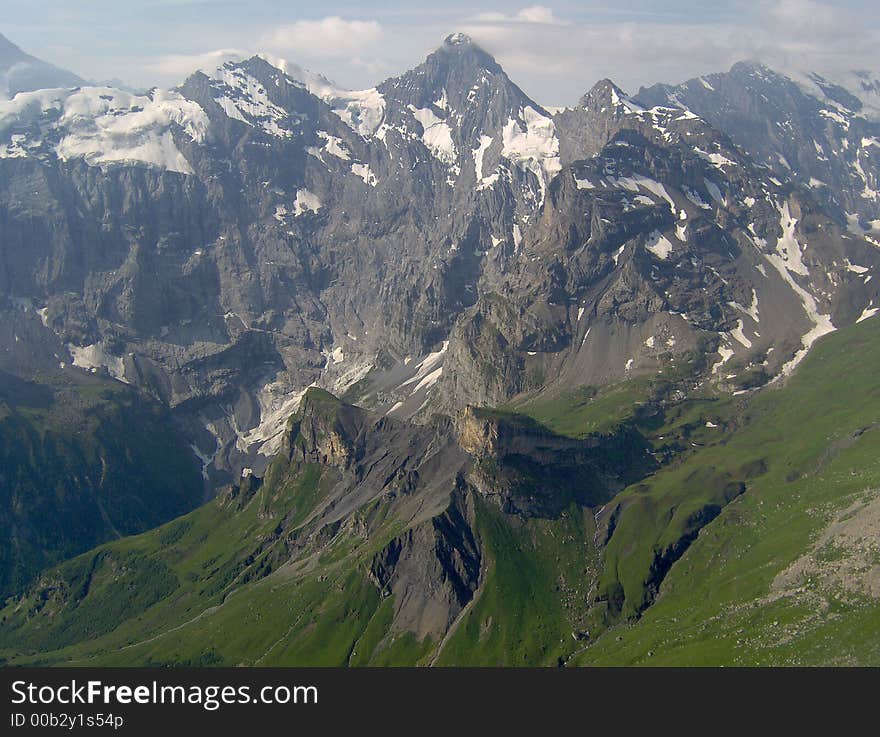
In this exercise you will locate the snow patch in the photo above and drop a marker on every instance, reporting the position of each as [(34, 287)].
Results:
[(868, 312), (364, 172), (752, 309), (362, 111), (716, 159), (726, 353), (436, 135), (334, 146), (305, 202), (336, 355), (517, 236), (855, 268), (836, 117), (277, 404), (787, 245), (428, 371), (659, 245), (479, 152), (532, 145), (93, 357), (637, 182), (713, 190), (695, 198), (739, 335), (787, 260), (245, 99), (681, 231), (103, 126)]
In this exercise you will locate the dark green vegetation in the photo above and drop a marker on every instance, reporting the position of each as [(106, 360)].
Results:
[(756, 541), (83, 460)]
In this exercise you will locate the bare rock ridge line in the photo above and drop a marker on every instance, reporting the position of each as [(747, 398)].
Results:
[(437, 243)]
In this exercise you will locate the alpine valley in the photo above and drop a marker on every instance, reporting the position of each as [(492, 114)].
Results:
[(431, 374)]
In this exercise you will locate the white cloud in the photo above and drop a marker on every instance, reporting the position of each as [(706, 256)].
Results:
[(557, 62), (554, 54), (534, 14), (179, 66), (345, 45), (329, 37), (811, 18)]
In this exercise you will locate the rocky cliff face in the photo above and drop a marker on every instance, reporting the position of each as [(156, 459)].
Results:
[(438, 241), (529, 471), (329, 301), (666, 242), (433, 570), (426, 479), (812, 131)]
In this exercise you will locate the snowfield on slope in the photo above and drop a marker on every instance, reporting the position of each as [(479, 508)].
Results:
[(104, 126)]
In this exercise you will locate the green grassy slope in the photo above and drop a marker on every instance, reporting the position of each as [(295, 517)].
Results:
[(757, 542), (233, 583), (204, 590), (531, 604), (789, 573)]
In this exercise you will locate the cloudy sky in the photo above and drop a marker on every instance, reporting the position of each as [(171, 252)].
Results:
[(553, 50)]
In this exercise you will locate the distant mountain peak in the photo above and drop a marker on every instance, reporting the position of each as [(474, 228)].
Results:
[(11, 54), (459, 48), (455, 68), (6, 46), (606, 93), (21, 72), (605, 87), (755, 68), (458, 39)]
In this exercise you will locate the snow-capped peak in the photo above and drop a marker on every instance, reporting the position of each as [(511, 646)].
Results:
[(245, 98), (605, 95), (458, 39), (361, 110)]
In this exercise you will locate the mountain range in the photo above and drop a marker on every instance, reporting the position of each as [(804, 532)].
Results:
[(466, 379)]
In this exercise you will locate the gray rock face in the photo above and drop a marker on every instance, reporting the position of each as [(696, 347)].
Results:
[(381, 474), (816, 133), (439, 241), (666, 241), (432, 571)]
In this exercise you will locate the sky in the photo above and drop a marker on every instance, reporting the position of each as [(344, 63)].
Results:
[(554, 50)]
